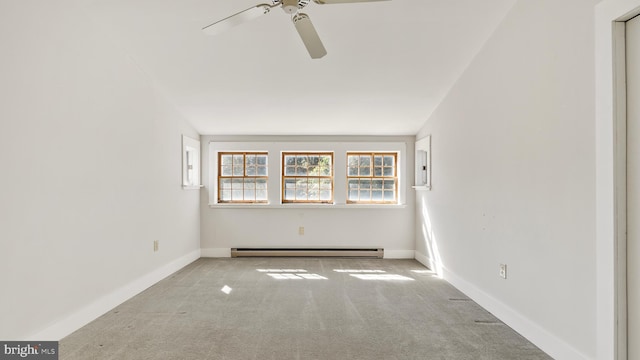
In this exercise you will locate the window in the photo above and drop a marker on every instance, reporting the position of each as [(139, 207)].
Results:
[(372, 178), (307, 177), (242, 177)]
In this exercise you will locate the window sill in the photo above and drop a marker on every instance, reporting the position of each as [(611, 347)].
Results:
[(308, 206)]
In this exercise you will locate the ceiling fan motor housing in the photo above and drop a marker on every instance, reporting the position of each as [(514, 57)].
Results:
[(292, 6)]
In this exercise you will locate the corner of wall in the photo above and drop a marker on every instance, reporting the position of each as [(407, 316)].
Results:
[(69, 324)]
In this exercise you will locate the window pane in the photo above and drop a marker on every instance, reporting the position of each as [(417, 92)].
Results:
[(389, 184), (388, 171), (225, 195), (377, 171), (261, 170), (226, 170), (225, 183), (377, 160), (261, 184), (365, 195), (352, 161), (289, 189), (325, 195), (353, 190), (261, 160), (314, 160), (251, 171), (290, 170), (389, 160), (236, 195), (237, 183), (249, 194), (301, 194), (226, 159), (290, 160), (389, 196), (238, 159), (314, 166), (290, 183), (365, 165), (238, 170), (313, 188), (325, 183), (376, 195), (325, 165), (376, 184), (261, 195)]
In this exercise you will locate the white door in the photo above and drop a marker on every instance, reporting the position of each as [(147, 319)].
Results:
[(633, 186)]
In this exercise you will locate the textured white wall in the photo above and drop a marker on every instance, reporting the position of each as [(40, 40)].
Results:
[(513, 148), (90, 158), (390, 228)]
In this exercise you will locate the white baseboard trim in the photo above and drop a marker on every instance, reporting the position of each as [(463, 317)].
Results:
[(216, 252), (546, 341), (399, 254), (73, 322), (424, 260)]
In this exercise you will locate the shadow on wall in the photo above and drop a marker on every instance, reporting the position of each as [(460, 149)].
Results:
[(434, 261)]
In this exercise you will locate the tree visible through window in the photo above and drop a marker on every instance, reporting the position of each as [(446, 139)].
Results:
[(372, 178), (307, 177), (242, 177)]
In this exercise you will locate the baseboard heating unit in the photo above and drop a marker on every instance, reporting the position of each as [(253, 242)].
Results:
[(377, 253)]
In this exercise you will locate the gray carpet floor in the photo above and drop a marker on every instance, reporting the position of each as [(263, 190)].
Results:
[(299, 308)]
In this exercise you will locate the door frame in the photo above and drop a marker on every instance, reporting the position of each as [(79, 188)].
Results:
[(620, 183), (621, 118), (611, 220)]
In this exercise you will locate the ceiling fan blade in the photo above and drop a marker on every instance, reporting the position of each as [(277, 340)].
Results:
[(323, 2), (309, 36), (237, 19)]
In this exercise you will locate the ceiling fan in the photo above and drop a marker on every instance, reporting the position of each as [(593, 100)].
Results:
[(301, 21)]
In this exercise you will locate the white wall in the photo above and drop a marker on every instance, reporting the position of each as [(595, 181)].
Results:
[(90, 157), (390, 227), (513, 155)]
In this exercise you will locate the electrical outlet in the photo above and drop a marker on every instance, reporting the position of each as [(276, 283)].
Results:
[(503, 271), (155, 245), (301, 230)]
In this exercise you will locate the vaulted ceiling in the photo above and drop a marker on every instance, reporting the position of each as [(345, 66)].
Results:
[(388, 66)]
